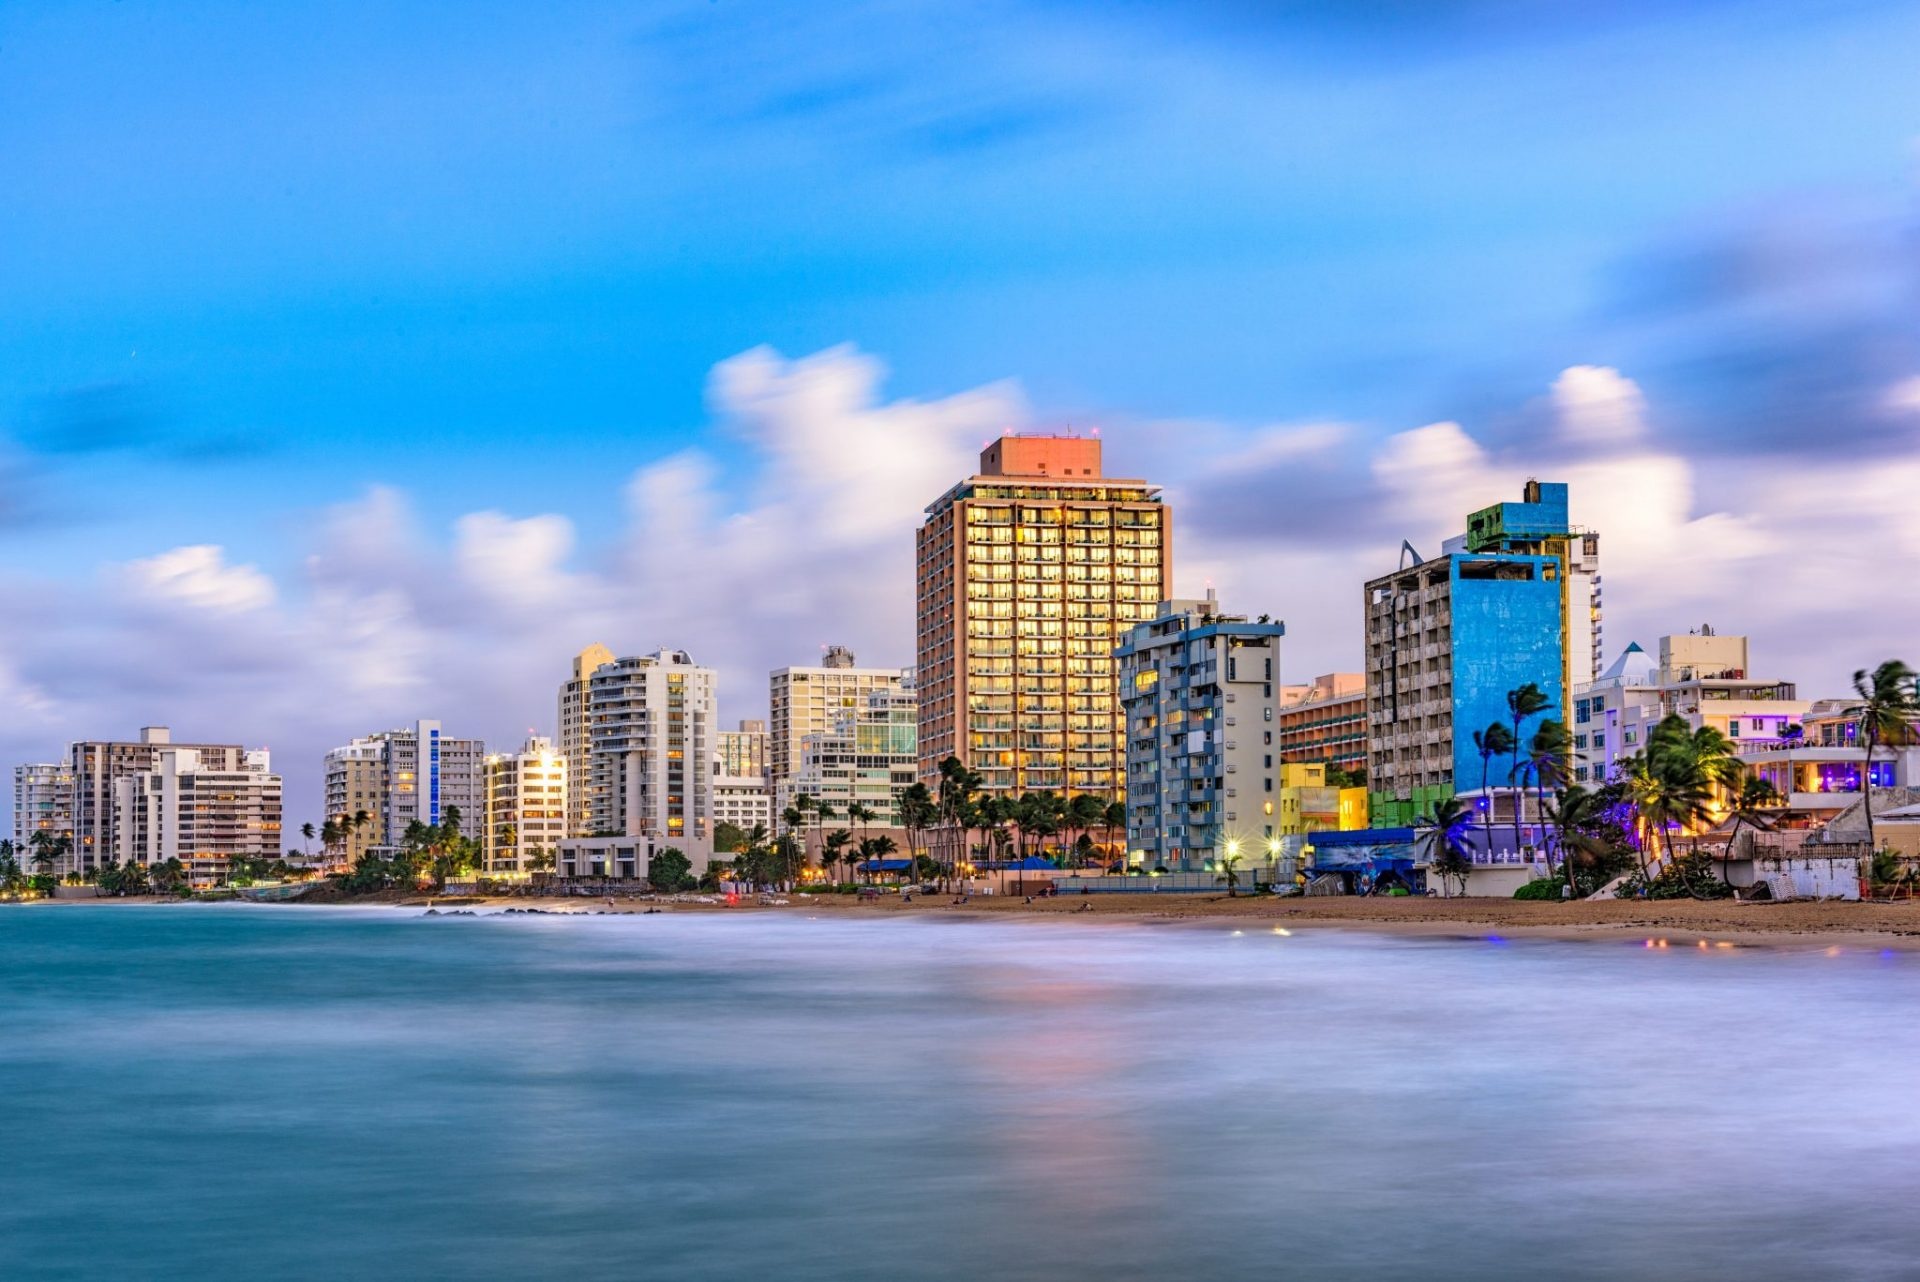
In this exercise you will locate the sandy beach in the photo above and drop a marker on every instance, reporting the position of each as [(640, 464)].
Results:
[(1678, 922)]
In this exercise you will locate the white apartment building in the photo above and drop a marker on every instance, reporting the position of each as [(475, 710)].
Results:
[(399, 776), (1703, 676), (815, 700), (868, 753), (576, 736), (1199, 692), (743, 801), (96, 764), (42, 802), (526, 809), (652, 736), (203, 816)]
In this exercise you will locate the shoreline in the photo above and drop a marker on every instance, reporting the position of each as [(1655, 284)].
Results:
[(1665, 923)]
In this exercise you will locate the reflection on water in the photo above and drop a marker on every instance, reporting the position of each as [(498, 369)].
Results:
[(289, 1093)]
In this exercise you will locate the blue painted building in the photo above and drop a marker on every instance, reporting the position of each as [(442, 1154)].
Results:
[(1448, 637)]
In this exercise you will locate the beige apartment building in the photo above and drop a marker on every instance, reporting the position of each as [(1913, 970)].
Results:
[(1029, 574), (526, 809), (96, 764), (576, 736), (204, 816)]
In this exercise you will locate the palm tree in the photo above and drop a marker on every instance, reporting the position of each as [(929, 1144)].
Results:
[(44, 846), (1229, 865), (882, 846), (1573, 813), (306, 833), (833, 847), (1670, 785), (1495, 741), (861, 814), (1522, 702), (1449, 852), (958, 788), (1547, 756), (1884, 714), (1084, 814), (1115, 817), (917, 813)]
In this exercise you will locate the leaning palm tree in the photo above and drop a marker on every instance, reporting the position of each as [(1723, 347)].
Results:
[(1573, 812), (1548, 754), (861, 814), (1114, 819), (1229, 866), (307, 834), (1522, 702), (1885, 713), (833, 848), (1495, 741), (1444, 834)]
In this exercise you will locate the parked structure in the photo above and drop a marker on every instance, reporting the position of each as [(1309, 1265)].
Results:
[(1198, 693), (1029, 574), (526, 807)]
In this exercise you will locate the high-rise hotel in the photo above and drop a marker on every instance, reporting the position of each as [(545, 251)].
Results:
[(1029, 574)]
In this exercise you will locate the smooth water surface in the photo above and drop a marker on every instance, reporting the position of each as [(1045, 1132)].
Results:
[(278, 1092)]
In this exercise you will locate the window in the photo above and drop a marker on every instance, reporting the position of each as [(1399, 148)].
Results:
[(1269, 737), (1733, 728), (1269, 712)]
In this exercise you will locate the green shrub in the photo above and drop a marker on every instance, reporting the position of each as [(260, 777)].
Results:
[(1541, 888)]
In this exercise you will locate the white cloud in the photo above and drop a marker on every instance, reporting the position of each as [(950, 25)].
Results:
[(1595, 405), (199, 577), (1905, 395), (793, 529)]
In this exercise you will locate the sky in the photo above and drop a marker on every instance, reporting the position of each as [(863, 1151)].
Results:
[(360, 363)]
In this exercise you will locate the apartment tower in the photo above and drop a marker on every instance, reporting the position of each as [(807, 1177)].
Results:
[(1029, 574)]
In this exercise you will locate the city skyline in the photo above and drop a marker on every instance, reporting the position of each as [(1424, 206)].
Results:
[(301, 435)]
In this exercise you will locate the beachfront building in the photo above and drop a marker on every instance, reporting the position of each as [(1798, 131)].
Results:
[(1310, 802), (576, 736), (397, 777), (744, 801), (1198, 697), (652, 734), (816, 700), (1702, 676), (42, 802), (743, 751), (1819, 771), (96, 765), (866, 755), (606, 858), (526, 808), (1029, 574), (1447, 638), (203, 815), (1325, 721)]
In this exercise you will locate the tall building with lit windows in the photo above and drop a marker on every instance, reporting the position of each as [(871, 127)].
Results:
[(1198, 688), (651, 739), (1029, 574), (397, 776), (526, 807)]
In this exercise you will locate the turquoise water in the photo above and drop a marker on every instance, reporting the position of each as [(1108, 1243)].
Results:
[(259, 1092)]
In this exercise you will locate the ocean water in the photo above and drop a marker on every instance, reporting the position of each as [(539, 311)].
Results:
[(287, 1093)]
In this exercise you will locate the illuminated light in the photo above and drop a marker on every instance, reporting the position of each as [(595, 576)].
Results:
[(1281, 930), (1703, 943), (1238, 933), (1724, 943)]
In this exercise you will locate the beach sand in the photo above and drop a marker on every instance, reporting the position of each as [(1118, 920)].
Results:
[(1683, 922)]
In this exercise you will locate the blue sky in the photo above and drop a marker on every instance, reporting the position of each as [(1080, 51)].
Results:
[(258, 260)]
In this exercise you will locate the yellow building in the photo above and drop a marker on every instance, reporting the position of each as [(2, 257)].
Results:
[(1029, 574), (1309, 804)]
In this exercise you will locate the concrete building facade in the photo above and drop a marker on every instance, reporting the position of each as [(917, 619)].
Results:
[(1446, 640), (181, 808), (805, 701), (96, 764), (652, 736), (526, 807), (1703, 676), (1325, 722), (576, 736), (42, 802), (867, 754), (400, 776), (1029, 574), (1201, 718)]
